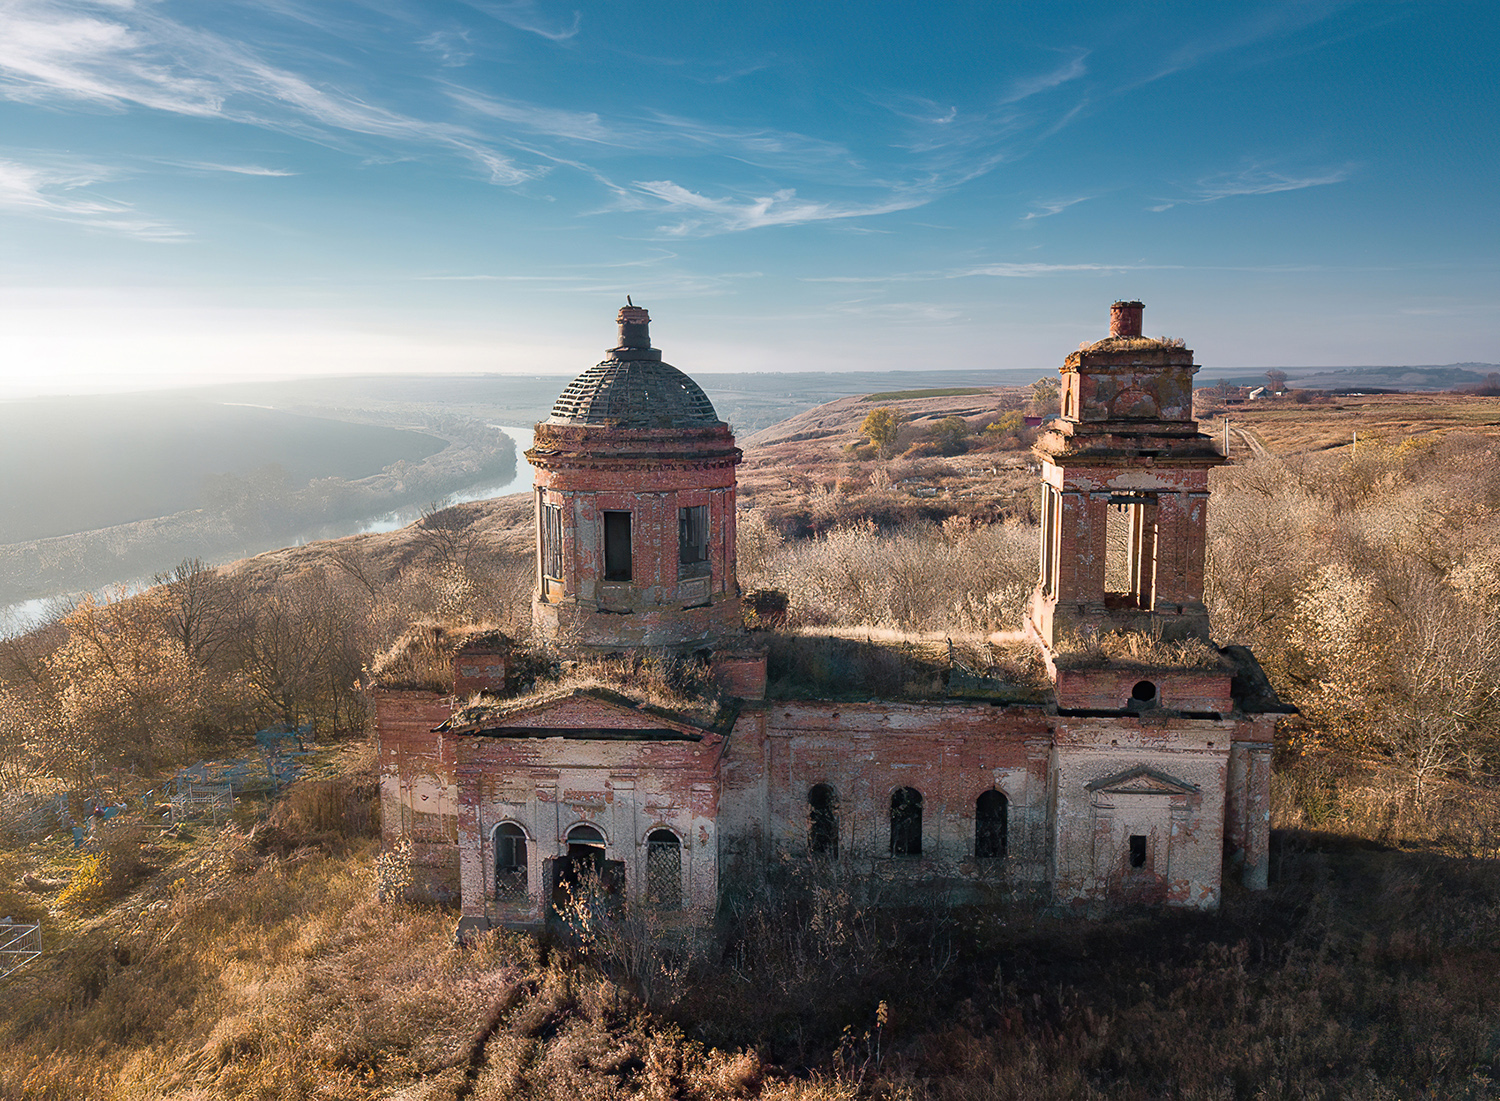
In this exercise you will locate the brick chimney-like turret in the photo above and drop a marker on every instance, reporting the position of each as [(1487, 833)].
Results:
[(1125, 318), (635, 327)]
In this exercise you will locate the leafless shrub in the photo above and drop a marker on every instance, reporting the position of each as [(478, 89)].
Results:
[(957, 577)]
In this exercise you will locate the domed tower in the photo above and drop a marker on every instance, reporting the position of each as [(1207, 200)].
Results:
[(1125, 491), (635, 508)]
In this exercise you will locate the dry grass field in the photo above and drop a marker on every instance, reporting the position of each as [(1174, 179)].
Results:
[(1286, 427), (274, 957)]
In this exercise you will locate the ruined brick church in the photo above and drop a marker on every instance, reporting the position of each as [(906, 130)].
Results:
[(1099, 778)]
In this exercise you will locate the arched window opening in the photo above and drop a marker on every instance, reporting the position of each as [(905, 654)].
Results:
[(906, 822), (1144, 691), (823, 821), (510, 863), (585, 834), (663, 870), (991, 825)]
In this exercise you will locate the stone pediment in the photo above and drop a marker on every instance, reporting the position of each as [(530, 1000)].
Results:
[(582, 713), (1142, 781)]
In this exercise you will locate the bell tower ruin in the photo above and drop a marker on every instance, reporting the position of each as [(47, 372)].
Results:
[(1125, 491)]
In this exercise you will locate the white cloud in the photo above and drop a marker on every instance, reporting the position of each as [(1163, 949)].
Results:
[(1071, 69), (59, 191), (236, 169), (1255, 180), (449, 46), (522, 15), (53, 50), (706, 216), (1049, 207)]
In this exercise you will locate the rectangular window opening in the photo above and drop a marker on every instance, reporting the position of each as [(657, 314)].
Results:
[(617, 546), (1137, 850), (1130, 551), (692, 541), (1051, 510), (552, 551)]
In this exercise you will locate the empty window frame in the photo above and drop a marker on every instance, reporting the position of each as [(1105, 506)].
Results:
[(552, 548), (991, 825), (510, 863), (906, 822), (1130, 550), (663, 870), (1051, 521), (692, 541), (822, 821), (1137, 850), (617, 564)]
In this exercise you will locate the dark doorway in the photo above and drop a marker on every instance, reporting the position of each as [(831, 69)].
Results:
[(617, 546), (991, 825), (906, 822), (823, 821)]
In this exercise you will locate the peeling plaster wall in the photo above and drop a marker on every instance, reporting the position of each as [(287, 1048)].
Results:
[(548, 785), (418, 793), (1184, 826)]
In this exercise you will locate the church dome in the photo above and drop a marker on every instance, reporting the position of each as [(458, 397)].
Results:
[(633, 388)]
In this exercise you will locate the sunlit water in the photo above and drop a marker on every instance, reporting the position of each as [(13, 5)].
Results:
[(23, 616)]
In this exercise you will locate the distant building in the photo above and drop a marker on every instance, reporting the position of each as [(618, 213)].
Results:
[(1116, 755)]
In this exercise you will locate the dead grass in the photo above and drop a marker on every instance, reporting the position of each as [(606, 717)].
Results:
[(422, 658), (237, 974), (1130, 344), (1287, 428), (865, 663), (1098, 649), (665, 681)]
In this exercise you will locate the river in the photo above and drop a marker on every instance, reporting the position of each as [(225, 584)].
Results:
[(23, 616)]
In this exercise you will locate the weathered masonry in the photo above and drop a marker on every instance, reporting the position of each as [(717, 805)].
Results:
[(958, 772)]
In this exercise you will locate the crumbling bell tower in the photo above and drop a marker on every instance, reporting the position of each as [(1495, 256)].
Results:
[(1125, 491)]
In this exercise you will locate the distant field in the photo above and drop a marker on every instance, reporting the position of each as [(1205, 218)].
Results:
[(1286, 427), (78, 464), (940, 392)]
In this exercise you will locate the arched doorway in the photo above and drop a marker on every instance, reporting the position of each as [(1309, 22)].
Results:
[(508, 842), (582, 876)]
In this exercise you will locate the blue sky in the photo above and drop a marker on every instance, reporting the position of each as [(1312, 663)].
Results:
[(209, 191)]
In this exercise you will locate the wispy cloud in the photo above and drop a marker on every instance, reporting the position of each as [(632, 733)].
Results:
[(1034, 270), (659, 134), (236, 169), (704, 216), (580, 126), (1250, 26), (1048, 207), (1026, 87), (451, 47), (522, 15), (1254, 180), (57, 51), (60, 191)]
